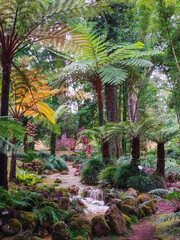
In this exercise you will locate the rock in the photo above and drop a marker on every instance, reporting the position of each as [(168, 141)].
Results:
[(131, 202), (59, 231), (46, 224), (65, 172), (130, 210), (64, 203), (48, 172), (58, 180), (144, 198), (127, 220), (77, 173), (27, 235), (86, 191), (80, 238), (78, 205), (41, 232), (131, 192), (27, 219), (147, 210), (115, 220), (80, 223), (35, 166), (100, 227), (12, 227), (63, 191), (73, 189)]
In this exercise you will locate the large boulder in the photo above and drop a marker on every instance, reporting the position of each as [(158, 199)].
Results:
[(41, 232), (80, 223), (131, 202), (58, 231), (152, 204), (27, 235), (12, 227), (100, 227), (35, 166), (130, 210), (115, 220), (73, 189), (27, 219)]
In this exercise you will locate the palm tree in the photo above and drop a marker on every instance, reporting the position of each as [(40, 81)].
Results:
[(23, 23), (161, 137), (133, 130)]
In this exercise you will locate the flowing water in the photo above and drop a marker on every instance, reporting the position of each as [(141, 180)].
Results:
[(94, 200)]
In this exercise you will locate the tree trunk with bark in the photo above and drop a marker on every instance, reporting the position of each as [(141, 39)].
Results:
[(53, 144), (160, 159), (105, 144), (135, 144), (12, 176), (6, 69), (112, 115)]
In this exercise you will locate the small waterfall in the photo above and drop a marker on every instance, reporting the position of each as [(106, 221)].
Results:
[(96, 194)]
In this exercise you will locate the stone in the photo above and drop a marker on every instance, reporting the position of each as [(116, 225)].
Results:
[(64, 203), (41, 232), (58, 180), (144, 198), (77, 173), (130, 210), (27, 235), (12, 227), (27, 219), (131, 192), (131, 202), (100, 227), (127, 220), (36, 166), (58, 231), (81, 223), (115, 220), (73, 189), (147, 210)]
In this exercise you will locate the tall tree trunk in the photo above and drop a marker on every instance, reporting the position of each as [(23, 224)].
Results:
[(112, 114), (6, 69), (53, 144), (12, 176), (135, 144), (124, 114), (160, 169), (105, 144)]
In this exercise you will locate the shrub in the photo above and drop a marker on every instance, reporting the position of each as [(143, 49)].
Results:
[(107, 175), (55, 163), (140, 183), (89, 175), (123, 173), (28, 179), (30, 156), (43, 155), (157, 180), (95, 163), (123, 160)]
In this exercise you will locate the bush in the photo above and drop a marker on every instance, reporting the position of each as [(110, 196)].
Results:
[(107, 175), (55, 163), (89, 175), (28, 179), (95, 163), (124, 160), (123, 173), (140, 183), (43, 155), (157, 180), (31, 155)]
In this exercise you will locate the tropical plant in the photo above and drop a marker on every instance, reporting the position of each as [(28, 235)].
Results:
[(161, 137), (106, 176), (141, 183), (24, 23), (28, 179), (55, 163)]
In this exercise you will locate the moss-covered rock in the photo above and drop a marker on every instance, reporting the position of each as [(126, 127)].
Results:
[(100, 227), (41, 232), (64, 191), (147, 210), (115, 220), (27, 219), (131, 192), (144, 198), (12, 227), (131, 202), (81, 223), (27, 235), (80, 238), (64, 203), (130, 210), (127, 220), (59, 231)]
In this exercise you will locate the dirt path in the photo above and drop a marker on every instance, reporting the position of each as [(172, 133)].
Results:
[(145, 230)]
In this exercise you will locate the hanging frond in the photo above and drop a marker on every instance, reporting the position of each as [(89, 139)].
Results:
[(112, 75), (171, 217), (136, 62)]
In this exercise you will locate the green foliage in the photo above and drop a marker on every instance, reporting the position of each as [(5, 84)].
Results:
[(55, 163), (134, 219), (170, 217), (140, 183), (123, 173), (28, 179), (43, 155), (157, 180), (89, 175), (107, 175), (30, 156)]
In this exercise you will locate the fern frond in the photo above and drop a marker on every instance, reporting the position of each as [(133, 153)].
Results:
[(136, 62), (112, 75), (170, 217)]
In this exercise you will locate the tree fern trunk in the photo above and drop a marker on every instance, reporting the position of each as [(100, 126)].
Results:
[(112, 115), (12, 176), (6, 69), (160, 169), (135, 144), (53, 144)]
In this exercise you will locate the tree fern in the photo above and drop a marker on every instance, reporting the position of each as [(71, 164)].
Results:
[(170, 217)]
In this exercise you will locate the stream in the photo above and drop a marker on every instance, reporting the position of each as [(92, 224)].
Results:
[(94, 200)]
